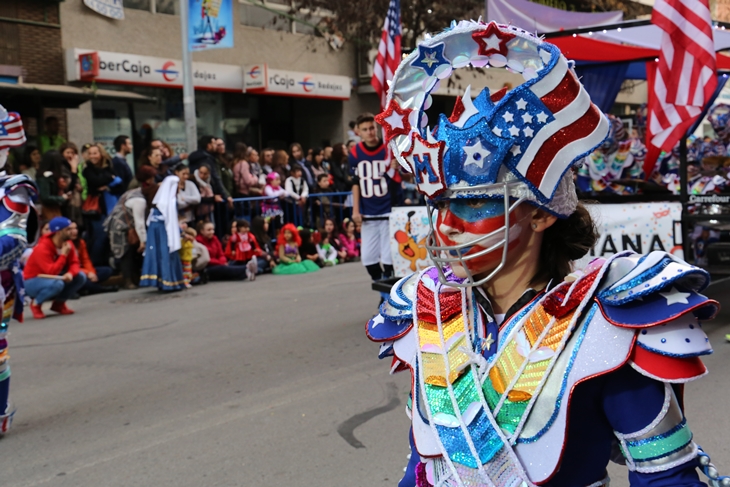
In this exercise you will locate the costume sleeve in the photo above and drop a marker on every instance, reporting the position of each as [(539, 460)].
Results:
[(84, 259), (138, 207), (651, 429)]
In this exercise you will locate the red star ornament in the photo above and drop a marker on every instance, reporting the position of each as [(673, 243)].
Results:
[(426, 160), (492, 40), (394, 121)]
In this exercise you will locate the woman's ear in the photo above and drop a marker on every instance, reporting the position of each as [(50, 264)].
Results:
[(542, 220)]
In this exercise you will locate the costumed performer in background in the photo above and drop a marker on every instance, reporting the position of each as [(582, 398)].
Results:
[(17, 194), (524, 371), (162, 267)]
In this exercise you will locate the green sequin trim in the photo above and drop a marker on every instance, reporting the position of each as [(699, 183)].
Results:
[(510, 415), (464, 390), (13, 231), (660, 445), (4, 374)]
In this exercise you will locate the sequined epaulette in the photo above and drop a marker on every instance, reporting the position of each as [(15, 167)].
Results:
[(645, 291), (396, 313)]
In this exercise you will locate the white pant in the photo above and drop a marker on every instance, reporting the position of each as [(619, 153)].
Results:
[(375, 248)]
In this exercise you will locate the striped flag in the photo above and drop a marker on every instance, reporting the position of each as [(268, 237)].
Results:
[(11, 131), (389, 53), (685, 74)]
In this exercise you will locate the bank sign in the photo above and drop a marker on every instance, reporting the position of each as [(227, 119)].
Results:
[(133, 69), (258, 78)]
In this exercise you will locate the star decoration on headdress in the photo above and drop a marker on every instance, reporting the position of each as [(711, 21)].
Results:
[(514, 131), (515, 150), (430, 58), (508, 117), (521, 104), (476, 154), (394, 120), (527, 118), (542, 117), (426, 160), (528, 131), (492, 40)]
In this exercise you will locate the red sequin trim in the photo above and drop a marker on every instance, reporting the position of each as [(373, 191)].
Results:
[(563, 94), (421, 478), (450, 304), (458, 111), (555, 303), (577, 130)]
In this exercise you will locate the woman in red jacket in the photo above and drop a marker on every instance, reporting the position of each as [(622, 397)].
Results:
[(218, 268)]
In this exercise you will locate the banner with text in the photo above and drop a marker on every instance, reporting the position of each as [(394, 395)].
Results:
[(640, 227), (259, 78), (114, 67), (211, 24), (108, 8)]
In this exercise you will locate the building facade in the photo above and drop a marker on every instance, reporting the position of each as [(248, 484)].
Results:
[(308, 96)]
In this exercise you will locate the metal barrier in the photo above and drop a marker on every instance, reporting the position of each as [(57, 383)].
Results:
[(311, 214)]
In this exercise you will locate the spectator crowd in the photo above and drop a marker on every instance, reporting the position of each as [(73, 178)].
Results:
[(239, 213)]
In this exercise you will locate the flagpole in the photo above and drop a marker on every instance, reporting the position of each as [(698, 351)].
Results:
[(191, 131)]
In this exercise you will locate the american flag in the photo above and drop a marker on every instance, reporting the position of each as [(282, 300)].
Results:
[(389, 53), (11, 131), (685, 74), (548, 143)]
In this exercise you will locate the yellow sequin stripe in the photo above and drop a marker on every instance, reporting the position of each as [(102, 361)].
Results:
[(166, 283), (433, 363)]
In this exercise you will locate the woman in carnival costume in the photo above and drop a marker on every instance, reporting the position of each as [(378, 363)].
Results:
[(162, 267), (523, 372), (17, 194)]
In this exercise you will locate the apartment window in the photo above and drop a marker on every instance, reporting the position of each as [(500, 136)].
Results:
[(139, 4), (254, 16), (168, 7)]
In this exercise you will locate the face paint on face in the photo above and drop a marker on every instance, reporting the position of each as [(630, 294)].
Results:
[(474, 225)]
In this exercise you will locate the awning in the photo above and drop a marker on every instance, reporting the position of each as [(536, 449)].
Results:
[(28, 96)]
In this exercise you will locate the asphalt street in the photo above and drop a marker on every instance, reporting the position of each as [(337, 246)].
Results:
[(269, 383)]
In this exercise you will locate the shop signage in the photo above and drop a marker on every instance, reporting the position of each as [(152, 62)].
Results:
[(211, 24), (108, 8), (639, 227), (89, 66), (114, 67), (261, 79)]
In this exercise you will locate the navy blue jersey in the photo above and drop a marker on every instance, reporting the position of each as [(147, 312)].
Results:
[(369, 166)]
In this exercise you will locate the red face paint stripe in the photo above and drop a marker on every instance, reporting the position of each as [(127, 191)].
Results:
[(577, 130)]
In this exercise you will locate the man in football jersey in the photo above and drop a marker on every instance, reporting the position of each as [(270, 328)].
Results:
[(373, 173)]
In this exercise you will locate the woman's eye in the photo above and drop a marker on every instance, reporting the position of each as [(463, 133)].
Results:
[(475, 202)]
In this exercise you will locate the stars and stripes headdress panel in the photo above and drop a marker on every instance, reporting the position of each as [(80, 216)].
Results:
[(11, 129), (531, 134)]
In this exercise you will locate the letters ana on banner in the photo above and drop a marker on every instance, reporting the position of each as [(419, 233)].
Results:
[(211, 24), (640, 227), (258, 78), (113, 67), (108, 8)]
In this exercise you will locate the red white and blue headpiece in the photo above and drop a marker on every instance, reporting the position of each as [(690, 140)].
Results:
[(11, 133), (522, 141)]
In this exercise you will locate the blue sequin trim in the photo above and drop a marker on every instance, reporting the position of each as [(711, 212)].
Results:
[(640, 279), (564, 385), (676, 355)]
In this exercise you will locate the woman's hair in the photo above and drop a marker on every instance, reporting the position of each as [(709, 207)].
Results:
[(335, 229), (201, 225), (280, 158), (106, 159), (144, 173), (144, 157), (339, 153), (316, 152), (291, 150), (29, 149), (68, 145), (179, 167), (305, 235), (568, 239), (149, 193), (257, 229), (295, 234), (51, 161), (345, 223), (240, 151)]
